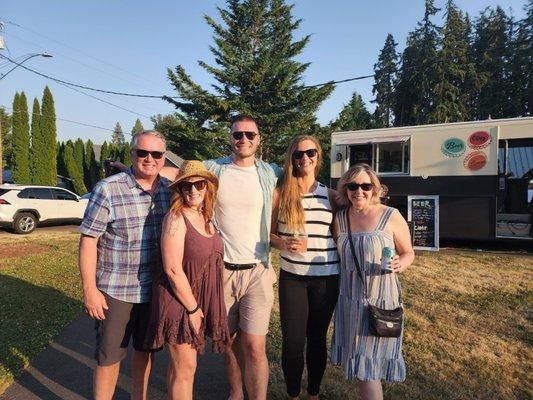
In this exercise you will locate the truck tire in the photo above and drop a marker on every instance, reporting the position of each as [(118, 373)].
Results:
[(24, 223)]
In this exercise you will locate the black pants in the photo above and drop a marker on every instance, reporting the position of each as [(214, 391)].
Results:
[(306, 305)]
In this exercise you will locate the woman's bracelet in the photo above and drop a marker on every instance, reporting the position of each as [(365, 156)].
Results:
[(194, 310)]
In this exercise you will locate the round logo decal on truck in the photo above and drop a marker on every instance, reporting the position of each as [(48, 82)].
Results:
[(479, 140), (475, 160), (453, 147)]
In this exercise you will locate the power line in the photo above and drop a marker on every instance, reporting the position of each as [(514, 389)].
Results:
[(66, 120)]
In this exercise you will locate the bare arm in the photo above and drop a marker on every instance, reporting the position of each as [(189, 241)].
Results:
[(402, 242), (172, 248), (335, 200), (93, 299), (275, 240)]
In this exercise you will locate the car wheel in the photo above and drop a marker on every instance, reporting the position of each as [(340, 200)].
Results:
[(24, 223)]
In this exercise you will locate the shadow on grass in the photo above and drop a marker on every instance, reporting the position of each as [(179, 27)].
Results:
[(31, 317)]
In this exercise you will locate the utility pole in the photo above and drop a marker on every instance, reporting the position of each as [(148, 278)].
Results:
[(2, 45)]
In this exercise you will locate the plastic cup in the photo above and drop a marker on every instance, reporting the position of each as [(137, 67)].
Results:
[(387, 253)]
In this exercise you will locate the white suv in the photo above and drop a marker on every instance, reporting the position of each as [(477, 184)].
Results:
[(22, 207)]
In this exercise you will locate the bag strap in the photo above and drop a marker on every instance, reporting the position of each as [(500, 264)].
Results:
[(356, 261), (352, 248)]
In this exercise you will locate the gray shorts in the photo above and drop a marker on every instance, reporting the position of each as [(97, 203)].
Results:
[(122, 321)]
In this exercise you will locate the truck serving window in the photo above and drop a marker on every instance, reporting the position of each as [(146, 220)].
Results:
[(392, 157)]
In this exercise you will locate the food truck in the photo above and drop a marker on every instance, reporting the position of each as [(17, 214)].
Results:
[(478, 175)]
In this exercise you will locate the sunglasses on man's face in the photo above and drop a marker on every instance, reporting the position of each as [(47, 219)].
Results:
[(187, 186), (367, 187), (156, 155), (237, 135), (300, 153)]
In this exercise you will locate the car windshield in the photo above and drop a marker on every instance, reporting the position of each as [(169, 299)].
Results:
[(4, 191)]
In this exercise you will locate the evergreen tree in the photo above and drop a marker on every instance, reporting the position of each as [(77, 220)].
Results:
[(118, 136), (415, 99), (138, 127), (37, 161), (353, 116), (451, 99), (125, 154), (256, 73), (92, 173), (385, 83), (521, 75), (48, 132), (60, 160), (491, 56), (79, 154), (5, 123), (104, 155), (72, 169), (21, 140)]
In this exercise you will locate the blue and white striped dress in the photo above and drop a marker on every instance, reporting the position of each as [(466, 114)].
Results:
[(321, 257), (361, 355)]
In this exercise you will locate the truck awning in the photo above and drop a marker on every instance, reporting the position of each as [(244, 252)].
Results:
[(381, 139)]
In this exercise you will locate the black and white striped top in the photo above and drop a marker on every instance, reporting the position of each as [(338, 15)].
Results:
[(321, 257)]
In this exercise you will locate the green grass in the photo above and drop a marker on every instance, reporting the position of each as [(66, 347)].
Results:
[(468, 322), (39, 295)]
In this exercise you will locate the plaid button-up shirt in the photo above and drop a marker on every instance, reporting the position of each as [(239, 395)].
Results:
[(127, 221)]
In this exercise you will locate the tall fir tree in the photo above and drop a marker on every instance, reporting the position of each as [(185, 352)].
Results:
[(521, 66), (72, 169), (104, 155), (353, 116), (256, 73), (21, 140), (385, 84), (92, 173), (60, 160), (125, 154), (492, 56), (37, 160), (118, 136), (5, 124), (79, 154), (138, 127), (452, 68), (49, 134)]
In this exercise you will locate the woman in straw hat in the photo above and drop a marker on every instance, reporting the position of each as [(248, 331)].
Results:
[(188, 297)]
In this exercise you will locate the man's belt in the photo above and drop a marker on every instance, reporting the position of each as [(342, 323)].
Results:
[(238, 267)]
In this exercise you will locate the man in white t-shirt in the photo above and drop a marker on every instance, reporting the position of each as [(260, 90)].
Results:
[(242, 215)]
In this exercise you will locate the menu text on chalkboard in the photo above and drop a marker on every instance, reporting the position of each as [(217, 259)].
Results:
[(423, 214)]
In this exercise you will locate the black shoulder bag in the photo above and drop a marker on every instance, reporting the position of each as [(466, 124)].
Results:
[(383, 323)]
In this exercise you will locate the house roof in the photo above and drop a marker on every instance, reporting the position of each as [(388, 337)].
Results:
[(173, 160)]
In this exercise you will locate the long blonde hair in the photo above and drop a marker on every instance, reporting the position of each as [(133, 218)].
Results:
[(349, 175), (178, 203), (291, 211)]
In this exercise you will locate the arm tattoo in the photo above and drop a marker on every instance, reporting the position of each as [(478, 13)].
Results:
[(172, 223)]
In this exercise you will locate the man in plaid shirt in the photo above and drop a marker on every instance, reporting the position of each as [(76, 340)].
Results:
[(119, 248)]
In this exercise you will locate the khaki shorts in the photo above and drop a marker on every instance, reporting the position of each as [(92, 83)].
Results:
[(249, 296)]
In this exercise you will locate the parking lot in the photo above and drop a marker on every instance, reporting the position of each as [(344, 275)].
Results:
[(41, 231)]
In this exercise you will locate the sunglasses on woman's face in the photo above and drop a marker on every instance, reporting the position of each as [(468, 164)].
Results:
[(300, 153), (239, 134), (156, 155), (367, 187), (187, 186)]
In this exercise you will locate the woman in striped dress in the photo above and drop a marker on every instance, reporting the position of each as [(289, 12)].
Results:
[(372, 226), (308, 285)]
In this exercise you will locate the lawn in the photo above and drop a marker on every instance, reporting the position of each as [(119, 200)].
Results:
[(468, 320)]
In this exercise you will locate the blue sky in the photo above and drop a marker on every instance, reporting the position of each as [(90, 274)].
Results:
[(127, 46)]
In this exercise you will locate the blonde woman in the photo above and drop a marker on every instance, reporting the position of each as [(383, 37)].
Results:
[(308, 285), (188, 296), (370, 226)]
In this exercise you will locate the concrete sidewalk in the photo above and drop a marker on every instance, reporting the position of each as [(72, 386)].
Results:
[(64, 371)]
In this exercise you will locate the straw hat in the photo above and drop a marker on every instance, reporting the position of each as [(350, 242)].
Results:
[(191, 168)]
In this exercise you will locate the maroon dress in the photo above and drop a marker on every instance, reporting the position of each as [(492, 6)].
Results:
[(203, 265)]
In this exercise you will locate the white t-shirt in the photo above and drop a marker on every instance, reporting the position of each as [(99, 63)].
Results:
[(238, 213)]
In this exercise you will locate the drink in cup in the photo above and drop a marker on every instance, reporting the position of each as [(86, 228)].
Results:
[(387, 253), (302, 238)]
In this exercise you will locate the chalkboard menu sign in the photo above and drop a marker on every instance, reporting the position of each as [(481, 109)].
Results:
[(423, 215)]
